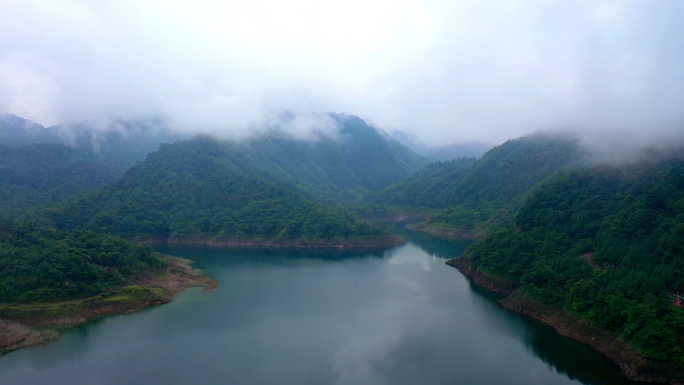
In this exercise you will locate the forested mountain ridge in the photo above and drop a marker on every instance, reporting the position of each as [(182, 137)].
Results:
[(428, 187), (475, 193), (45, 174), (120, 144), (376, 158), (605, 244), (17, 131), (330, 170), (340, 168), (194, 189)]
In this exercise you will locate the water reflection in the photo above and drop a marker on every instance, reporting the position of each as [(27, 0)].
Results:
[(317, 317)]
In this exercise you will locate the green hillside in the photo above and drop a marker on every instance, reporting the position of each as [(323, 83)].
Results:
[(329, 170), (633, 219), (46, 174), (200, 188), (41, 264), (338, 170), (430, 187), (471, 194)]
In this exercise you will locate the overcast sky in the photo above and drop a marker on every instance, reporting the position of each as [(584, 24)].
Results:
[(447, 71)]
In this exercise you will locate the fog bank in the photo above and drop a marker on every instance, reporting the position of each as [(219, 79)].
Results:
[(467, 71)]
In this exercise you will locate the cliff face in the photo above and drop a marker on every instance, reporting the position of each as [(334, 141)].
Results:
[(632, 364)]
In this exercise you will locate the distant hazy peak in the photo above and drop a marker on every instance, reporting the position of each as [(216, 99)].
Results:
[(11, 120)]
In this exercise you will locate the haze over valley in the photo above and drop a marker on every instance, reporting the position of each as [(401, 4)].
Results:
[(380, 193)]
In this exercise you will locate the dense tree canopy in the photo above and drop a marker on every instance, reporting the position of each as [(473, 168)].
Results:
[(633, 219), (194, 189), (42, 264), (45, 174), (469, 194)]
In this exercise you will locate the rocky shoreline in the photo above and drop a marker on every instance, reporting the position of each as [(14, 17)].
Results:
[(632, 364), (348, 243), (154, 287)]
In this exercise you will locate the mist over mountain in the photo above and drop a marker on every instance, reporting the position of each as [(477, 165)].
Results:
[(207, 189), (549, 134), (17, 131), (120, 143), (46, 174), (471, 194), (442, 152)]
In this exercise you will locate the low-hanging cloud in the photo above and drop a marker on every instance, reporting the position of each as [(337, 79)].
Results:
[(457, 71)]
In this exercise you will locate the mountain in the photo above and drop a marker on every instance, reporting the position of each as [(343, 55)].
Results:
[(472, 193), (201, 188), (345, 168), (16, 131), (431, 187), (122, 143), (45, 174), (604, 244)]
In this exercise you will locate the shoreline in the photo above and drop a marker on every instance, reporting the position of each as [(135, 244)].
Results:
[(349, 243), (425, 227), (152, 287), (632, 364), (394, 218)]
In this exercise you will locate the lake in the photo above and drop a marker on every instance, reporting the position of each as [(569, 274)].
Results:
[(399, 316)]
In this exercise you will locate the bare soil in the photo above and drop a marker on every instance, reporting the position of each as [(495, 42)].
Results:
[(161, 284)]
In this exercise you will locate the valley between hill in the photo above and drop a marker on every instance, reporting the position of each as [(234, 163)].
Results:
[(535, 205)]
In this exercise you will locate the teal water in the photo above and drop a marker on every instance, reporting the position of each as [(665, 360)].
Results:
[(399, 316)]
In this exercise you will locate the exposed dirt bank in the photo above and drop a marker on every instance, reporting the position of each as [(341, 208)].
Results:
[(349, 243), (14, 335), (494, 284), (440, 231), (633, 365), (154, 287)]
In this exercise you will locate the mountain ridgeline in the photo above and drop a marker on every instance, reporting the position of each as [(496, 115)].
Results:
[(267, 187), (336, 170), (46, 174), (202, 189), (477, 194), (120, 143), (330, 170)]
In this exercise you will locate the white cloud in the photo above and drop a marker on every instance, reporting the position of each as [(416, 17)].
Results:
[(446, 71)]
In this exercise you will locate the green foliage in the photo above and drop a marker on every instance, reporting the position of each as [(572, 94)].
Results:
[(195, 189), (41, 264), (484, 193), (374, 157), (329, 170), (634, 220), (428, 187), (45, 174)]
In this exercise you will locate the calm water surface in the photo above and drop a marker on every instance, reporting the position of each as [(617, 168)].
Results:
[(311, 317)]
